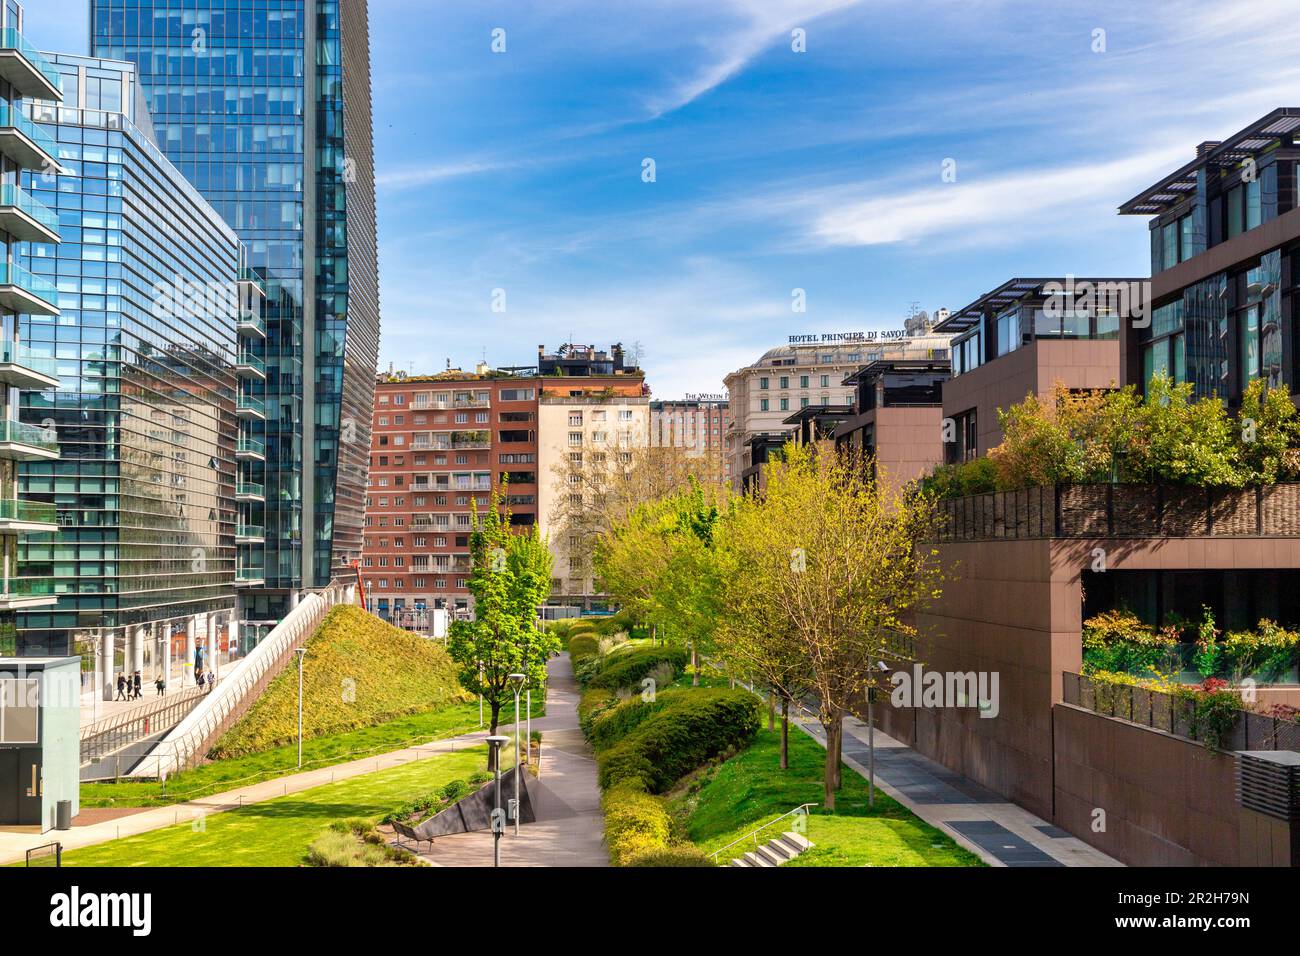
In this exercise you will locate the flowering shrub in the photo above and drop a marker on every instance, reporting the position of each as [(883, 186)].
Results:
[(1117, 640)]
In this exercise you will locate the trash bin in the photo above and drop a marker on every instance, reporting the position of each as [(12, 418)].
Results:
[(63, 815)]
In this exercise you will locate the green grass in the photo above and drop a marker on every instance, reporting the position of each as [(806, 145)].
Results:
[(278, 832), (749, 790), (325, 751)]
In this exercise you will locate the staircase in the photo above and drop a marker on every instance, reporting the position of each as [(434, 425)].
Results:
[(775, 852)]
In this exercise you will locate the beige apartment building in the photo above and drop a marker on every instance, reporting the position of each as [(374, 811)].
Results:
[(809, 371)]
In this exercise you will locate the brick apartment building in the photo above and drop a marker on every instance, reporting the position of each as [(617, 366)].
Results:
[(441, 445)]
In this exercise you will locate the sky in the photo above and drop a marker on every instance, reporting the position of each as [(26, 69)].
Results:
[(912, 151)]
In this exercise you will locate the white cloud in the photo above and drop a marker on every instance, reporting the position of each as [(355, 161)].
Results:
[(424, 175)]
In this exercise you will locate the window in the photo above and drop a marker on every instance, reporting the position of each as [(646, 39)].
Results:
[(785, 404), (575, 419), (575, 438), (763, 382), (826, 381), (762, 405), (785, 381), (803, 381)]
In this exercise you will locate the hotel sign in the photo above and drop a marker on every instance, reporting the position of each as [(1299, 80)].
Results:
[(705, 397), (820, 338)]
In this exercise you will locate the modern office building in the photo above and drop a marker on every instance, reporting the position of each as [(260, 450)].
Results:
[(696, 424), (1225, 250), (803, 373), (441, 445), (265, 107), (1021, 339), (24, 147), (144, 391)]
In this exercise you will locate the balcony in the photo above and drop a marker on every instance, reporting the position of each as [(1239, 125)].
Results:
[(250, 407), (18, 516), (21, 369), (26, 218), (470, 403), (29, 73), (20, 441), (24, 142), (250, 449), (21, 593), (474, 439), (21, 291), (249, 491), (249, 576), (249, 534), (251, 324), (250, 366)]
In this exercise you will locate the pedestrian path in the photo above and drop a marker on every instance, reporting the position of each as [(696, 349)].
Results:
[(15, 841), (1000, 832), (570, 827)]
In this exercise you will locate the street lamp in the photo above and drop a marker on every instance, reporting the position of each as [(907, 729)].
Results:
[(871, 736), (517, 681), (302, 653), (480, 693), (494, 749)]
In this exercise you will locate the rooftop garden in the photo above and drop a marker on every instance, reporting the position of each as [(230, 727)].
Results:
[(1166, 437)]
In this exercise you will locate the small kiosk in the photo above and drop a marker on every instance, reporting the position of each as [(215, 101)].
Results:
[(40, 747)]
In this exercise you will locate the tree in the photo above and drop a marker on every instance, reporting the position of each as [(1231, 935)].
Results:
[(837, 563), (1268, 430), (510, 578)]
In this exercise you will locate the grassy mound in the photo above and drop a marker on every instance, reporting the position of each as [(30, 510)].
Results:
[(359, 671)]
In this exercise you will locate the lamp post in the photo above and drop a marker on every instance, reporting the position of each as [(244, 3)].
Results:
[(494, 745), (302, 653), (517, 681), (480, 694)]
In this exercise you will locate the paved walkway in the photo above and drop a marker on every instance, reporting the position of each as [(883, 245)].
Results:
[(15, 841), (570, 827), (1000, 832)]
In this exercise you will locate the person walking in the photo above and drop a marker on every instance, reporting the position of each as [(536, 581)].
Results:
[(158, 683), (198, 677), (211, 680), (121, 687), (136, 686)]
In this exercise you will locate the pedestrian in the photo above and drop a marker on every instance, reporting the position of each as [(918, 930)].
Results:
[(136, 686), (198, 677), (158, 683), (121, 687), (211, 680)]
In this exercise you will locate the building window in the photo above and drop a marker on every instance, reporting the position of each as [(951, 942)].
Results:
[(762, 405), (763, 383)]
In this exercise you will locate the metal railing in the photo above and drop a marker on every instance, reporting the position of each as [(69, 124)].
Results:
[(190, 740), (801, 810), (47, 854), (1123, 511), (106, 736), (1176, 715)]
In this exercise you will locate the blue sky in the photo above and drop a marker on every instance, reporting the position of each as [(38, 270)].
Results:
[(775, 170)]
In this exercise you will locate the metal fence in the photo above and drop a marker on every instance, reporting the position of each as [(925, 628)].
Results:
[(1123, 511), (105, 736), (49, 854), (1177, 715)]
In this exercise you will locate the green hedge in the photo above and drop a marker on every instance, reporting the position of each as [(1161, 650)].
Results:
[(611, 724), (682, 855), (583, 645), (636, 824), (689, 728), (591, 705), (630, 667)]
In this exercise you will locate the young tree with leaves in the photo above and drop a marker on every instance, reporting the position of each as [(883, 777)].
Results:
[(510, 579)]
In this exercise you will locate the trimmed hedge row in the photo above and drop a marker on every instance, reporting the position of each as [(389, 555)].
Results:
[(612, 723), (591, 706), (687, 729), (636, 824), (583, 645), (628, 668)]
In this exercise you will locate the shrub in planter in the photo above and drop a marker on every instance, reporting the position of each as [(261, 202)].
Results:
[(628, 668), (689, 728), (636, 823), (1269, 650), (672, 856), (1118, 641)]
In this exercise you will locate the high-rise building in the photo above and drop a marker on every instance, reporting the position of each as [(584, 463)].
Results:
[(696, 424), (441, 445), (24, 73), (266, 108), (143, 398)]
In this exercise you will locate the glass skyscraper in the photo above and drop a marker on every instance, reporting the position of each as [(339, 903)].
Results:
[(265, 106), (144, 349)]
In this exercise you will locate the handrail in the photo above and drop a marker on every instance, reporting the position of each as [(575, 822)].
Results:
[(801, 809), (113, 733), (147, 709), (188, 740)]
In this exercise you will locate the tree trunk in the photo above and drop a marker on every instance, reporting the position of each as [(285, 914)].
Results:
[(836, 765), (695, 667), (771, 710), (785, 732), (828, 781)]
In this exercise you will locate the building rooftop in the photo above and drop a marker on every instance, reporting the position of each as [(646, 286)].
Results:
[(1007, 294), (1256, 139), (885, 366)]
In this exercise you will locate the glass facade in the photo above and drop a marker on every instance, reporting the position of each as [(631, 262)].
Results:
[(265, 106), (144, 347)]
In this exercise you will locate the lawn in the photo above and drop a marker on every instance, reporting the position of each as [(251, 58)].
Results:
[(731, 799), (219, 775), (278, 832)]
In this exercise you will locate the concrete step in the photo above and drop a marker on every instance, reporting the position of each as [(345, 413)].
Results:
[(753, 859), (773, 854), (796, 841), (738, 861)]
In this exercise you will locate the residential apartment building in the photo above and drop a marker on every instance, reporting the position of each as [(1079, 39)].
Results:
[(591, 420), (441, 445), (1133, 771), (145, 397), (24, 74), (1021, 339), (697, 424), (802, 373), (266, 109)]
